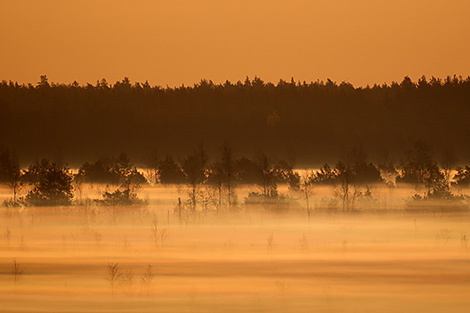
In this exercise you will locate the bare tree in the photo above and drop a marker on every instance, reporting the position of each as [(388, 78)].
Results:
[(306, 187), (216, 180), (221, 175), (421, 169), (345, 174), (227, 166), (194, 168), (10, 173), (267, 178)]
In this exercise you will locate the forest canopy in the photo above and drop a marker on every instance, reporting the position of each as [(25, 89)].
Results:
[(308, 123)]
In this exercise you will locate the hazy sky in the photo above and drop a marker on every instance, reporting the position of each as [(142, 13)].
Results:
[(174, 42)]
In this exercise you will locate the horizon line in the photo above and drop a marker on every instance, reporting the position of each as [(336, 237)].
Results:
[(291, 80)]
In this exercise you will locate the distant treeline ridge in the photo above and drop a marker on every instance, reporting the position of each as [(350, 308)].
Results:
[(308, 123)]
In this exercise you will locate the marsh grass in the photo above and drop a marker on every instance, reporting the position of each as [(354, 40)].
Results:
[(146, 279), (303, 243), (269, 242), (7, 236), (158, 236), (17, 271), (464, 242)]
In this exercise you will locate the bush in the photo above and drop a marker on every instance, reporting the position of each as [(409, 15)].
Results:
[(120, 198), (273, 204)]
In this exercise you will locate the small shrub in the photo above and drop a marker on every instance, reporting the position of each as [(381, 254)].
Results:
[(113, 275), (276, 203), (147, 278), (120, 198)]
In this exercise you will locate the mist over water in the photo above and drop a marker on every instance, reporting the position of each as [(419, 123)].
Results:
[(379, 258)]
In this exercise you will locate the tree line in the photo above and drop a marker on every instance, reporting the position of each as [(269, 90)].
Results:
[(54, 184), (308, 122)]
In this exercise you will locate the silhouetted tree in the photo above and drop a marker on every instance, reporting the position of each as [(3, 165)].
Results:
[(388, 171), (462, 178), (268, 197), (169, 172), (43, 82), (306, 187), (227, 166), (216, 178), (267, 176), (246, 171), (420, 168), (128, 173), (364, 172), (222, 174), (52, 184), (124, 196), (345, 173), (194, 168), (110, 171), (152, 161), (326, 175), (354, 172), (10, 173), (448, 161), (99, 172), (285, 173), (130, 180)]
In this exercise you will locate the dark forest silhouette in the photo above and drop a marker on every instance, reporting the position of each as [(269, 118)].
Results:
[(307, 122)]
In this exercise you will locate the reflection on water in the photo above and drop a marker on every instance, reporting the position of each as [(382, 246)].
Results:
[(144, 260)]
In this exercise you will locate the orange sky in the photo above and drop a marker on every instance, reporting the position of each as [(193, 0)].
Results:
[(174, 42)]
